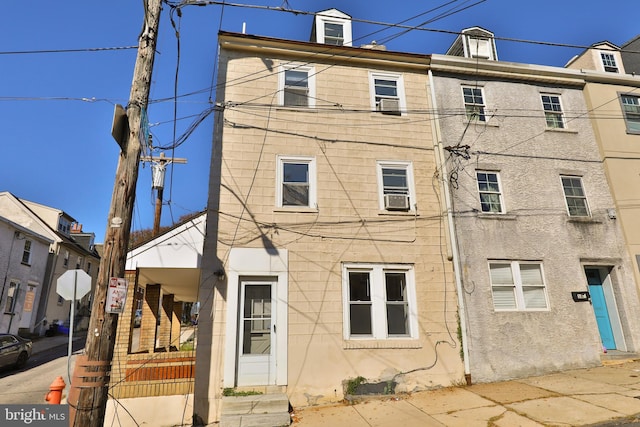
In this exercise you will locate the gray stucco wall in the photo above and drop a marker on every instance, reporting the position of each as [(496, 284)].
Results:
[(535, 227)]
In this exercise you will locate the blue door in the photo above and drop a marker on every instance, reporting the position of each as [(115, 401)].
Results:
[(600, 307)]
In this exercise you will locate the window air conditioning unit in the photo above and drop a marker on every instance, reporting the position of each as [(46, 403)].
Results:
[(390, 105), (396, 202)]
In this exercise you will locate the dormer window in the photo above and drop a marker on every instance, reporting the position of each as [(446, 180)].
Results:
[(474, 42), (479, 47), (609, 62), (64, 225), (333, 33), (332, 27)]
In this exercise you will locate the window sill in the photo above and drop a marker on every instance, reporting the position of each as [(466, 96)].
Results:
[(583, 219), (307, 109), (490, 123), (396, 343), (498, 216), (633, 132), (398, 213), (26, 264), (295, 209), (560, 130)]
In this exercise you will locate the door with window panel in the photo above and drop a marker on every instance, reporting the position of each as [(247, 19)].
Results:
[(257, 329)]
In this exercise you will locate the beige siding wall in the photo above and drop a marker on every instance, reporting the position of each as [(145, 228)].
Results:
[(621, 153), (345, 140)]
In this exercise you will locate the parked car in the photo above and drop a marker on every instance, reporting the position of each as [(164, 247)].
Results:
[(137, 318), (14, 350)]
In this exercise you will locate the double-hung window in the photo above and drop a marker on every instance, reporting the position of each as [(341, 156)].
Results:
[(334, 33), (574, 196), (379, 301), (296, 186), (296, 86), (518, 286), (26, 252), (489, 190), (387, 93), (396, 186), (631, 111), (553, 111), (609, 62), (474, 103)]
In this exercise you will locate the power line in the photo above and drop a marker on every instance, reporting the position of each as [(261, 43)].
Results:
[(89, 49)]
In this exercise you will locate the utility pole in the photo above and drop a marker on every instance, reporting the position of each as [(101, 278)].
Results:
[(157, 170), (90, 383)]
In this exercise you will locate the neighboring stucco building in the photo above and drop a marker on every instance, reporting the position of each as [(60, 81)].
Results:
[(325, 253), (23, 262), (535, 221), (64, 254)]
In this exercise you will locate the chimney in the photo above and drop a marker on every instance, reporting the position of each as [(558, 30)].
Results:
[(76, 227)]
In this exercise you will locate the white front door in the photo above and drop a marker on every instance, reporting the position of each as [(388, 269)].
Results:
[(257, 330)]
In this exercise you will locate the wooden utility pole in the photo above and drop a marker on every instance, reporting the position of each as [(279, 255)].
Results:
[(90, 383), (158, 170)]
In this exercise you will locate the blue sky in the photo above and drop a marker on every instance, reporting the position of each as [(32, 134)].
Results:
[(56, 108)]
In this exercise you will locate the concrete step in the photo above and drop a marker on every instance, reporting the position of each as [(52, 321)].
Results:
[(614, 357), (257, 404), (256, 420)]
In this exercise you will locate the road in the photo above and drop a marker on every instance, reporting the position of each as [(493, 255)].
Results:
[(31, 384)]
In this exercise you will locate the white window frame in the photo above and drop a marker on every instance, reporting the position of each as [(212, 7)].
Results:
[(518, 288), (499, 192), (373, 76), (13, 292), (325, 19), (65, 262), (631, 118), (558, 115), (482, 107), (313, 194), (379, 329), (583, 196), (396, 164), (609, 64), (27, 252), (311, 84)]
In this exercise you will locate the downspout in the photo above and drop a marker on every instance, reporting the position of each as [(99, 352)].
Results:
[(440, 162)]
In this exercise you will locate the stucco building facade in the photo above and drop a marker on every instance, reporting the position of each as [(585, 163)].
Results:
[(534, 218)]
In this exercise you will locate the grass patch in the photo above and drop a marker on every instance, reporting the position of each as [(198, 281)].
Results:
[(233, 392)]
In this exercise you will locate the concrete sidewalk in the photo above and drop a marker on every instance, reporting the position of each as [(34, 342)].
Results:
[(571, 398), (44, 343)]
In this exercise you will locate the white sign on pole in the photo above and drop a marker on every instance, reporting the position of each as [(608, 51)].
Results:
[(73, 284), (116, 295)]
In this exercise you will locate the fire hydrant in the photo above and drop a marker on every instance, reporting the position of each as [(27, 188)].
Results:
[(55, 391)]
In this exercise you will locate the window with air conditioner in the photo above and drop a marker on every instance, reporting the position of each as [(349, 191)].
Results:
[(387, 93), (296, 86), (396, 188)]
